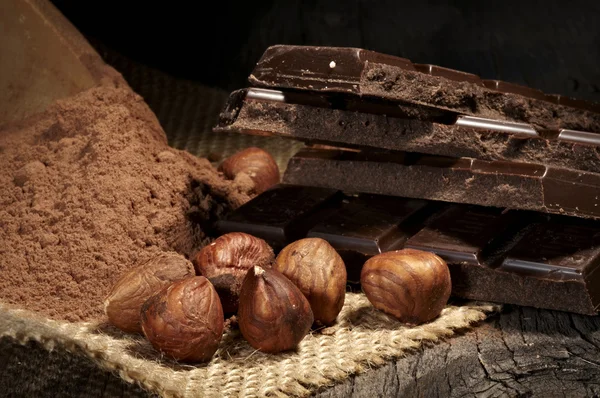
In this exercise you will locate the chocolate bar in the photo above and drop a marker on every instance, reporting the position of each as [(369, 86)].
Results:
[(506, 256), (461, 180), (368, 123), (358, 72)]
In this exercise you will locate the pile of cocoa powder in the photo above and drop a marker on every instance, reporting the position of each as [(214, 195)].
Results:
[(88, 189)]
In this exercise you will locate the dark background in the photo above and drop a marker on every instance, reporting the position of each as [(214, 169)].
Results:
[(550, 45)]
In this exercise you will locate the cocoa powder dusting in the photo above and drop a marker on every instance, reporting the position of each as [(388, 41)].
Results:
[(90, 188)]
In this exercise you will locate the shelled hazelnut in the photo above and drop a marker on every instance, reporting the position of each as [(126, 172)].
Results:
[(184, 320), (317, 269), (123, 303), (274, 315), (226, 261), (257, 163), (412, 285)]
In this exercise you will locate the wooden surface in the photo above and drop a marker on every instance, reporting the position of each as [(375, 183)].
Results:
[(522, 352)]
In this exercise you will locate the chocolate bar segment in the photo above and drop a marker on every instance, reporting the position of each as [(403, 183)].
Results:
[(282, 214), (562, 250), (384, 125), (335, 101), (460, 180), (368, 225), (465, 234), (367, 74), (325, 68), (550, 264), (494, 255)]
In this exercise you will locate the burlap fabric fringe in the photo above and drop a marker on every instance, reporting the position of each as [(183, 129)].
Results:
[(362, 338)]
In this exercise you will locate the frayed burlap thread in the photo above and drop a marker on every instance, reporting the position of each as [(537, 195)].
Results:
[(362, 338)]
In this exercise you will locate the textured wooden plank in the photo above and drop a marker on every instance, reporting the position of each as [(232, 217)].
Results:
[(523, 352)]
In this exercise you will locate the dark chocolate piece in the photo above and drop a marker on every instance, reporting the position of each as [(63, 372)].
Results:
[(326, 68), (562, 252), (462, 233), (368, 74), (319, 119), (333, 101), (282, 214), (550, 264), (494, 255), (564, 249), (461, 180), (368, 225)]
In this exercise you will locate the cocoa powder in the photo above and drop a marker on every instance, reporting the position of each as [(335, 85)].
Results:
[(88, 189)]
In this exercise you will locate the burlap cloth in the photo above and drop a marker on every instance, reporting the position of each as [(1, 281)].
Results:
[(361, 339)]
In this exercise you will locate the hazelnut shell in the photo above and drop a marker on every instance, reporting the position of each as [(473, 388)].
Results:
[(226, 261), (257, 163), (184, 320), (274, 315), (317, 269), (124, 302), (412, 285)]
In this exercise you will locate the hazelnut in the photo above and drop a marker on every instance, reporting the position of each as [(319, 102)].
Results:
[(317, 269), (184, 320), (274, 315), (256, 163), (123, 303), (226, 261), (412, 285)]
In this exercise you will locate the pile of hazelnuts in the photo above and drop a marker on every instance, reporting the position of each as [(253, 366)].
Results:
[(181, 308)]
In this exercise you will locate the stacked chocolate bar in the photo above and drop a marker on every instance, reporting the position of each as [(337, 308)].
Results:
[(501, 180)]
